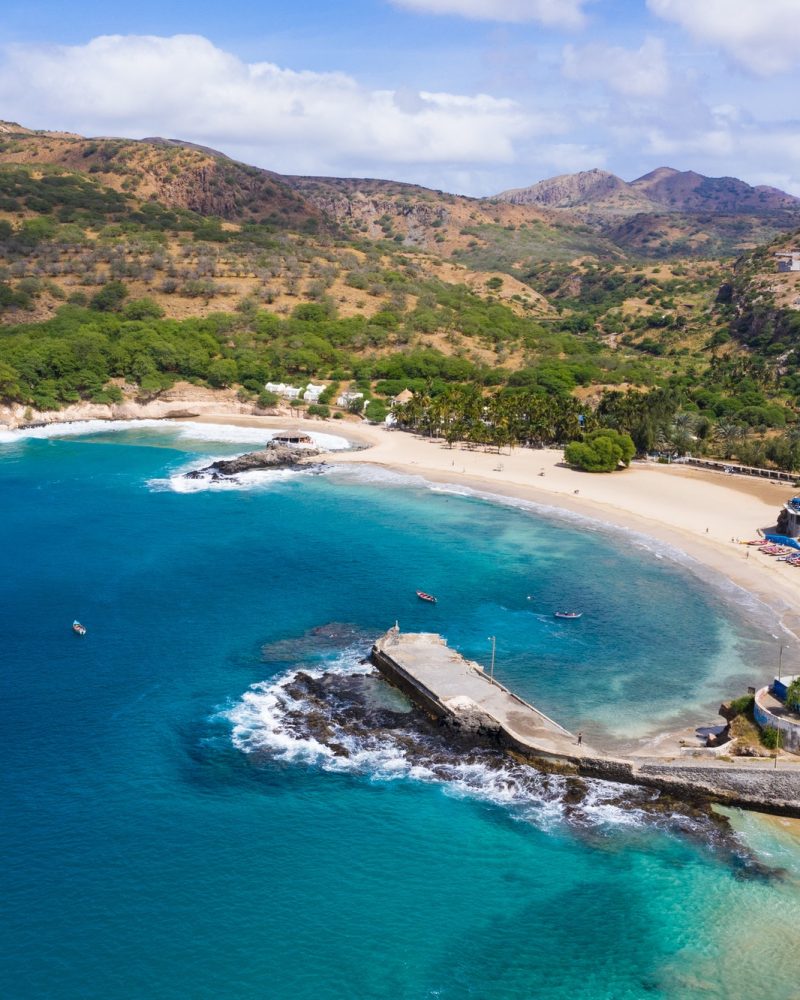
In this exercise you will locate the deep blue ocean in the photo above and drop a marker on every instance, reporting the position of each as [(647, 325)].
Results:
[(195, 807)]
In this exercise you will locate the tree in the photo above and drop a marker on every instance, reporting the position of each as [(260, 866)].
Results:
[(375, 411), (793, 695), (601, 451), (222, 372), (9, 382), (109, 298)]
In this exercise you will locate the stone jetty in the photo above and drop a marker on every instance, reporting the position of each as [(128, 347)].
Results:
[(461, 695)]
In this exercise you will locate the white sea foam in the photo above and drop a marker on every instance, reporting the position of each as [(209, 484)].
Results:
[(180, 430), (270, 719), (262, 479), (75, 428)]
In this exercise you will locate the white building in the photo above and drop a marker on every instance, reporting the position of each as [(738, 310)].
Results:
[(313, 392), (282, 389), (788, 260), (347, 398)]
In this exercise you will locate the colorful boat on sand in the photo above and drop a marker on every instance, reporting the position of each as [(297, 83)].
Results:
[(78, 629), (426, 597), (569, 615)]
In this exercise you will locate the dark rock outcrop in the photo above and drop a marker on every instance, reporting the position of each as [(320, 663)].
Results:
[(274, 456)]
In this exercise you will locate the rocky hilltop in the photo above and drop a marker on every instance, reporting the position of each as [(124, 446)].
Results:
[(663, 189), (173, 173), (666, 212), (589, 187)]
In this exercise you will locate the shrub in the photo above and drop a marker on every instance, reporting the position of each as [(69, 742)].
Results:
[(140, 309), (376, 411), (267, 399), (793, 695), (771, 737), (329, 393), (319, 410), (313, 312), (109, 298), (741, 706), (601, 451)]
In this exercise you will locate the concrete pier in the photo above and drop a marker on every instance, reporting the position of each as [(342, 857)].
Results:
[(460, 694)]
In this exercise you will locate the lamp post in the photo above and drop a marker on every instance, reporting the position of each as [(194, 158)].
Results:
[(493, 641)]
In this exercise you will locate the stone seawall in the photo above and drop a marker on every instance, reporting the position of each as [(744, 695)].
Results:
[(459, 694), (758, 786)]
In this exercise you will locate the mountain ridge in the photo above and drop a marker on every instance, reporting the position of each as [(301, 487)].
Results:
[(663, 188), (664, 213)]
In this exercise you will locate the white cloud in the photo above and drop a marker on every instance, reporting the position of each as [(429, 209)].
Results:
[(552, 13), (638, 73), (763, 36), (297, 120)]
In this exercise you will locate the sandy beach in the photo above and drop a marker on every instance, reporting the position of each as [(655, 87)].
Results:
[(697, 512)]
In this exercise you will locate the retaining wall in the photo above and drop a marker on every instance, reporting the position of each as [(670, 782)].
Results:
[(790, 739)]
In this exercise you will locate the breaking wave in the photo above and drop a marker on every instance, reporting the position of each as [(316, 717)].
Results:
[(258, 479), (344, 718), (180, 430)]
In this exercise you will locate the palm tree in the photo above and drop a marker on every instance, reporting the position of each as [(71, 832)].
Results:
[(729, 435)]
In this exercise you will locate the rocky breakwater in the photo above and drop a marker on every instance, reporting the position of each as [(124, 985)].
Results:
[(461, 696), (274, 457)]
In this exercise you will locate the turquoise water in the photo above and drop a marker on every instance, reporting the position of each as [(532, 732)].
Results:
[(174, 829)]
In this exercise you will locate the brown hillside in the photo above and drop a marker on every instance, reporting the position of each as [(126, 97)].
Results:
[(687, 191), (176, 175)]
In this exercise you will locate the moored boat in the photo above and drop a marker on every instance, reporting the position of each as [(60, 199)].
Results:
[(78, 629), (426, 597), (571, 615)]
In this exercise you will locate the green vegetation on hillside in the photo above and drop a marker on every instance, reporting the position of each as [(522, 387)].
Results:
[(105, 290)]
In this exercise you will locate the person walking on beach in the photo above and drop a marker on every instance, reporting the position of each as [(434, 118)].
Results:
[(580, 738)]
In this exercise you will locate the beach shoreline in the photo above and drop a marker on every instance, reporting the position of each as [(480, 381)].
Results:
[(693, 514), (698, 513)]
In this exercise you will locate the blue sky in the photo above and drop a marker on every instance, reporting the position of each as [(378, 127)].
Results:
[(472, 96)]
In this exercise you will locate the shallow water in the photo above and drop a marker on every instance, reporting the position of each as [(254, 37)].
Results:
[(172, 830)]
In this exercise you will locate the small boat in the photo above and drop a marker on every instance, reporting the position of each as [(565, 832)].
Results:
[(571, 615), (426, 597), (78, 629)]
